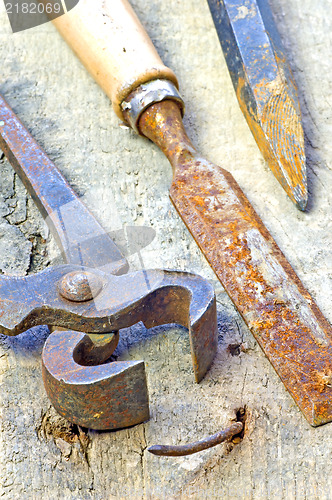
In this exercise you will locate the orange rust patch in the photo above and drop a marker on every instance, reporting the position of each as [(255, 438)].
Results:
[(279, 135)]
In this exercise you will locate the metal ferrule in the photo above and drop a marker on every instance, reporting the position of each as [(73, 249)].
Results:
[(147, 94)]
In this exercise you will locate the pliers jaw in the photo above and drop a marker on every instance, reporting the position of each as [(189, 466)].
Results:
[(92, 294)]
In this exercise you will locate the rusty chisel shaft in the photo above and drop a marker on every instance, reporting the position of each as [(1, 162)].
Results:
[(278, 310)]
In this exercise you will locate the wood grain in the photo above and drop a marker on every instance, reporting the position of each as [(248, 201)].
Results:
[(124, 179)]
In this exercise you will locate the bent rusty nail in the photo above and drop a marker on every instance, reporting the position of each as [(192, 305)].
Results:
[(188, 449), (273, 302), (93, 299), (265, 88)]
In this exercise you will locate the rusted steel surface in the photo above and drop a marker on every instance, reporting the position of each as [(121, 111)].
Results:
[(94, 300), (188, 449), (155, 297), (115, 395), (280, 313), (80, 286), (105, 396), (265, 88)]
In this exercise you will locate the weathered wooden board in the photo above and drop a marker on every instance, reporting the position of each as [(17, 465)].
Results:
[(124, 179)]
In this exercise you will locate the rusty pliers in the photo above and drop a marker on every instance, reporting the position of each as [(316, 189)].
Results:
[(92, 294)]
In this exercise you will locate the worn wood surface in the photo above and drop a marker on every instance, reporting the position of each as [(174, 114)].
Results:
[(124, 179)]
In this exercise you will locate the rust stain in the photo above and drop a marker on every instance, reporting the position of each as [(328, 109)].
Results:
[(279, 135), (283, 129)]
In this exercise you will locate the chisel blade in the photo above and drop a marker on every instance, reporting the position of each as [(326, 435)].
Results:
[(279, 312), (273, 302), (265, 88)]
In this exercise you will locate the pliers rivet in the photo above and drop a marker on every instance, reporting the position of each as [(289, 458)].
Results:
[(80, 286)]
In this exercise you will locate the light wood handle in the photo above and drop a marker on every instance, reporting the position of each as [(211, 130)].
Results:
[(112, 44)]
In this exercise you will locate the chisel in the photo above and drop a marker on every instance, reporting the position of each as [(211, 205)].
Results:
[(265, 88), (283, 317)]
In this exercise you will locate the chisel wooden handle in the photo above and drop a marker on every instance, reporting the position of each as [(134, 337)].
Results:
[(112, 44)]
